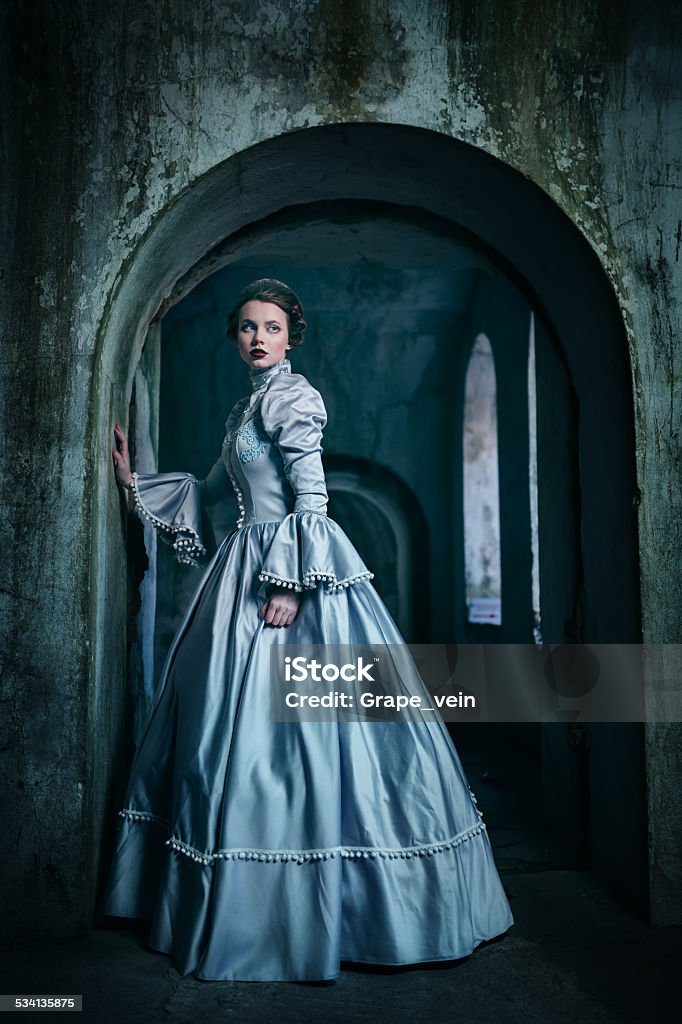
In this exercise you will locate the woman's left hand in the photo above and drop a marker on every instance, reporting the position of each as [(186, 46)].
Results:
[(281, 607)]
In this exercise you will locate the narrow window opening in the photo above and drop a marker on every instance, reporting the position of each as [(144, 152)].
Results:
[(533, 482), (482, 558)]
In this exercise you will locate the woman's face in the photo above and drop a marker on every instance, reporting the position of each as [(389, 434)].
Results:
[(262, 334)]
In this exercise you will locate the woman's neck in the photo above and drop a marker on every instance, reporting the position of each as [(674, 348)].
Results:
[(261, 378)]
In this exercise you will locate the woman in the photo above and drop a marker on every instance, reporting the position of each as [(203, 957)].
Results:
[(272, 850)]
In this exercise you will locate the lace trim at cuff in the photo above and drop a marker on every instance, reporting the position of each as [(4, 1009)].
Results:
[(301, 856), (311, 580), (187, 548)]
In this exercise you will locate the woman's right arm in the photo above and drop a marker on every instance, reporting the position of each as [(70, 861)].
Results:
[(171, 502), (216, 484), (214, 487), (122, 467), (122, 458)]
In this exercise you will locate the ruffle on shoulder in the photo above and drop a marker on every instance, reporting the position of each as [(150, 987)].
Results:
[(309, 549), (172, 503)]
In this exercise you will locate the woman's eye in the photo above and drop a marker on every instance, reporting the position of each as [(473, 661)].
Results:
[(273, 327)]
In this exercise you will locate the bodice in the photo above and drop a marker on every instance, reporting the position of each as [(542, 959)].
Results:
[(272, 447)]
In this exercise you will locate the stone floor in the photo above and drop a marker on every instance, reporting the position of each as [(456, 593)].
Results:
[(573, 955)]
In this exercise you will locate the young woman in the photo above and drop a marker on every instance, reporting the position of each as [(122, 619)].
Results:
[(272, 850)]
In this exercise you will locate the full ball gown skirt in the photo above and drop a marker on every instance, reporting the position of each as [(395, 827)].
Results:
[(269, 850)]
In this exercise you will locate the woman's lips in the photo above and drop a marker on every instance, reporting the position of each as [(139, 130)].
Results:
[(258, 352)]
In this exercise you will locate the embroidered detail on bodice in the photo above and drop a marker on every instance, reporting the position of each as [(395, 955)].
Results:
[(232, 425), (253, 434)]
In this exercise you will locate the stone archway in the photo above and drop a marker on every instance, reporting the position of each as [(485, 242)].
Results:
[(500, 211)]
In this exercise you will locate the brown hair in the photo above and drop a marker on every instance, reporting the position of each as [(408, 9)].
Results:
[(267, 289)]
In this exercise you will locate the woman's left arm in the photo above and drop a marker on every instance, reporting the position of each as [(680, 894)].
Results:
[(294, 416), (308, 549)]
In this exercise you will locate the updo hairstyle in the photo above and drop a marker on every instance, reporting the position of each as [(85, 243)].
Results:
[(267, 289)]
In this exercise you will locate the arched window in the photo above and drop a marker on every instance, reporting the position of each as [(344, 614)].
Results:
[(482, 557)]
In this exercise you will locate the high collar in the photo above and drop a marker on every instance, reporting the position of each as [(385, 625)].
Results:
[(261, 378)]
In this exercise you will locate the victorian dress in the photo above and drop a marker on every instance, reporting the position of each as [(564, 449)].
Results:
[(266, 850)]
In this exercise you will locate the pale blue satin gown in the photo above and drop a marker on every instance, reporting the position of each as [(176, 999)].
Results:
[(271, 851)]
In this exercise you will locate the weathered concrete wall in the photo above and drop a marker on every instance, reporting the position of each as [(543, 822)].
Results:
[(111, 113)]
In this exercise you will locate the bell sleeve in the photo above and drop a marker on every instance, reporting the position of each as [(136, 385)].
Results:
[(173, 503), (308, 547)]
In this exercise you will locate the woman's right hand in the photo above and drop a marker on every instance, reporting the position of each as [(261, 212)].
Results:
[(121, 458)]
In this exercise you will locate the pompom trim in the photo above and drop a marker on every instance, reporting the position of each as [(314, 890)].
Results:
[(154, 819), (304, 856), (187, 548), (312, 578)]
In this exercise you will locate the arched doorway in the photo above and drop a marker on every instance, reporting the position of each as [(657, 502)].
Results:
[(514, 227), (397, 542)]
